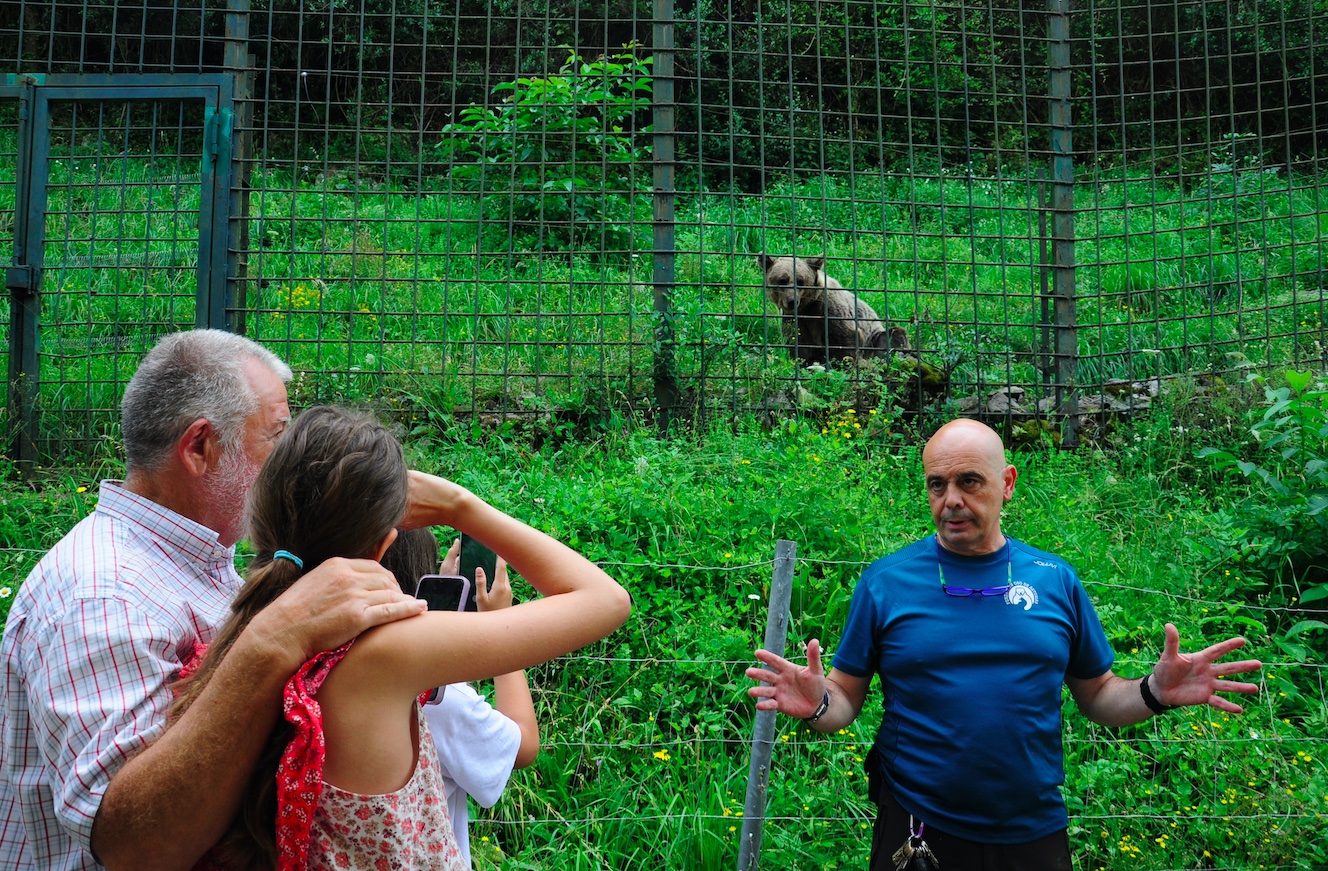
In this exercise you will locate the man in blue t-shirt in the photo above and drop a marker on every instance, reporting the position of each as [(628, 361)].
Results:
[(972, 634)]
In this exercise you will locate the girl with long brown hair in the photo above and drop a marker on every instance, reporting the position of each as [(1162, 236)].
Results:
[(347, 780)]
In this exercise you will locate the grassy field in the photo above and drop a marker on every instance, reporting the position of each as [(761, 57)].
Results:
[(430, 301), (526, 373), (646, 735)]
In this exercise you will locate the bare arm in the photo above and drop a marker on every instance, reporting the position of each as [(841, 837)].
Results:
[(581, 604), (799, 690), (1178, 679), (511, 696), (173, 801), (511, 691)]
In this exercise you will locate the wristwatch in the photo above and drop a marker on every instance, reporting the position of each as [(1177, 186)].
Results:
[(820, 709), (1151, 700)]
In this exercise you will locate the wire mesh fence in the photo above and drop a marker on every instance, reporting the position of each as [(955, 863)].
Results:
[(645, 741), (542, 217)]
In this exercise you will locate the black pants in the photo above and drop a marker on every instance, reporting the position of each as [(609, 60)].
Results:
[(1051, 853)]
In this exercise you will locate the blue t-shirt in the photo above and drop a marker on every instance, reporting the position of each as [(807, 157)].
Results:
[(970, 740)]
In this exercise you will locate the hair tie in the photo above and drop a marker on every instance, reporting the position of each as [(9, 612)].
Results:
[(285, 554)]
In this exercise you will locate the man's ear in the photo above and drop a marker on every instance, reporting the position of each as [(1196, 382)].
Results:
[(1008, 478), (199, 449)]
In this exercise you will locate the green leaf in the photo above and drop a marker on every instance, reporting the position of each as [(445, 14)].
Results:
[(1314, 594), (1298, 652), (1257, 627), (1306, 626), (1298, 381)]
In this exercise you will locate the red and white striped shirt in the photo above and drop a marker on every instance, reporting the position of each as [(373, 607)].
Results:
[(96, 634)]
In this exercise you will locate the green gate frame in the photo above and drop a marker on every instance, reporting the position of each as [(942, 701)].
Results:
[(217, 266)]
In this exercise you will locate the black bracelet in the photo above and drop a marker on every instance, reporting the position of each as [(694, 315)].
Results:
[(1151, 700), (824, 706)]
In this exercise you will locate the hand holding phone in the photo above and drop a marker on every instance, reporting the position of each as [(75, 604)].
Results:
[(447, 593), (474, 554), (496, 593)]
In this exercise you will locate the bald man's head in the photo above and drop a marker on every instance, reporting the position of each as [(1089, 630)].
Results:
[(968, 481)]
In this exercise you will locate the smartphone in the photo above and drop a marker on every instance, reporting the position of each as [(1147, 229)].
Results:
[(474, 554), (447, 593)]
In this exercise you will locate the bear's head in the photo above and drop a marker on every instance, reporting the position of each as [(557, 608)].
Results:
[(785, 276)]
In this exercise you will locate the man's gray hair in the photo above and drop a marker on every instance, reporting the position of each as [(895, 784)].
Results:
[(199, 373)]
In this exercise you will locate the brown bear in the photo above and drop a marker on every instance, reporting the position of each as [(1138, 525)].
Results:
[(823, 323)]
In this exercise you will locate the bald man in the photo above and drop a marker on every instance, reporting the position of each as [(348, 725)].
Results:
[(973, 633)]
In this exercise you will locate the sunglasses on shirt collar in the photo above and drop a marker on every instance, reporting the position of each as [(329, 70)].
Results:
[(965, 592)]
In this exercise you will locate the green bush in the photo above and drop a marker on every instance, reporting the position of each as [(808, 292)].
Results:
[(1281, 529), (562, 156)]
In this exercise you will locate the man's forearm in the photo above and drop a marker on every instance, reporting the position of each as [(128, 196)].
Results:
[(176, 799), (1114, 702)]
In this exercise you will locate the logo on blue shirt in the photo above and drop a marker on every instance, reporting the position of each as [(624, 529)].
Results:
[(1021, 594)]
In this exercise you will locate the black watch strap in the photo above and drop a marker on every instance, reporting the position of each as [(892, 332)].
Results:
[(820, 709), (1151, 700)]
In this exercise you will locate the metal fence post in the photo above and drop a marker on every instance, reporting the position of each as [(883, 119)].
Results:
[(23, 277), (1062, 216), (238, 62), (763, 733), (665, 232)]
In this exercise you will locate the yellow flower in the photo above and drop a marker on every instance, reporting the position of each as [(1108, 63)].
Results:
[(662, 755), (81, 490)]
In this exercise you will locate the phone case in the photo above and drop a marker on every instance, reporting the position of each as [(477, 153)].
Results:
[(446, 593)]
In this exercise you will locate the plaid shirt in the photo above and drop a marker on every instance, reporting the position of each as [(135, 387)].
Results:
[(95, 636)]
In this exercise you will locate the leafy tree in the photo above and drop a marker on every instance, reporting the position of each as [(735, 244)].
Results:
[(564, 155)]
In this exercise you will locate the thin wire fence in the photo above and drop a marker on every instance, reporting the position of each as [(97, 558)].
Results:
[(546, 220), (1264, 771), (1250, 790)]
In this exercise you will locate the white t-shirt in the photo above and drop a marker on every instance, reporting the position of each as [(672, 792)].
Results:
[(477, 747)]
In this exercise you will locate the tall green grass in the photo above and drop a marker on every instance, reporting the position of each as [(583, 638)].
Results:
[(646, 734)]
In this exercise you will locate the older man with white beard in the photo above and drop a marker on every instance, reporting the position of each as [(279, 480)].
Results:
[(104, 622)]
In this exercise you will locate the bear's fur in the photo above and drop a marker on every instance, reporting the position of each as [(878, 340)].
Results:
[(823, 323)]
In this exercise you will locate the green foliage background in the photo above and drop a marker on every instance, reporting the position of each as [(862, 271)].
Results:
[(645, 753), (501, 314)]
